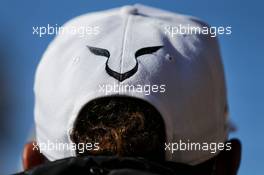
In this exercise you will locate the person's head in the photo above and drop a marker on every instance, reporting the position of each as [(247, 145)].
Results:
[(122, 126), (129, 127), (181, 78)]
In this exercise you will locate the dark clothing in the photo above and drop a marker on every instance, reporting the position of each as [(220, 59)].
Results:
[(103, 165)]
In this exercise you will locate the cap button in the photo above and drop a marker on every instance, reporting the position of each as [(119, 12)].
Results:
[(129, 10)]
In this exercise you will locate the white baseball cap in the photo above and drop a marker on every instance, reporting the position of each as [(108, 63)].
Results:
[(130, 46)]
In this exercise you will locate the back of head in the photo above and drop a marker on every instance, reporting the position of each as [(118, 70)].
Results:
[(134, 49), (122, 126)]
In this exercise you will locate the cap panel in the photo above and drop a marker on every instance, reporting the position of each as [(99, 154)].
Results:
[(194, 108), (66, 73)]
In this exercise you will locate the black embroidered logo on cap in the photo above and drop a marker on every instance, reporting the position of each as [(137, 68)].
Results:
[(122, 76)]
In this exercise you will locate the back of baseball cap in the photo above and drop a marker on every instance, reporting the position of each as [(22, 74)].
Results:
[(131, 46)]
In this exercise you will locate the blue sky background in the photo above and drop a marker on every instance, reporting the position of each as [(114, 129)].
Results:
[(242, 54)]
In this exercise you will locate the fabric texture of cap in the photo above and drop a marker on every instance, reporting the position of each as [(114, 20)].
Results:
[(130, 46)]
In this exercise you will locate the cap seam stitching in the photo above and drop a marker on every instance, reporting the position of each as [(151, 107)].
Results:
[(123, 43)]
